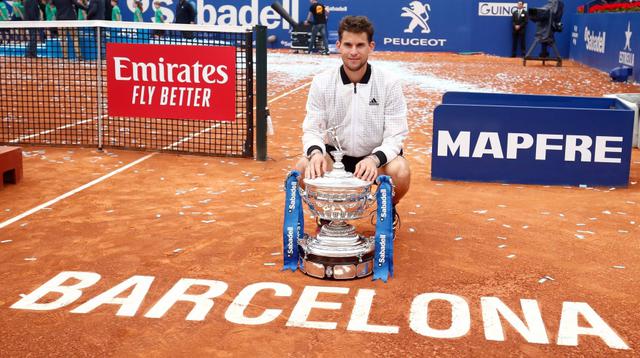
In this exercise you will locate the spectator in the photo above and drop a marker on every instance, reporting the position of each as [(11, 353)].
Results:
[(115, 11), (32, 13), (137, 14), (4, 16), (158, 18), (49, 11), (95, 10), (18, 10), (50, 15), (519, 20), (66, 10), (185, 14), (319, 14), (108, 9), (18, 15), (82, 13)]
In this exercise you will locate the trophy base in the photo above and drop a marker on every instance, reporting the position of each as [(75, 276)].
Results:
[(326, 259)]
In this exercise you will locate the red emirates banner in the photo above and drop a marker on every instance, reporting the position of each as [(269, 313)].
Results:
[(172, 81)]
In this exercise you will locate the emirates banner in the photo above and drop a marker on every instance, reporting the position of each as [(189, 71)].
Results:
[(171, 81)]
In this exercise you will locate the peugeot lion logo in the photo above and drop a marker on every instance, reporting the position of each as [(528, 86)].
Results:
[(419, 14)]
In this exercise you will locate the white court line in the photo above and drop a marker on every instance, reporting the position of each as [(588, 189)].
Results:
[(74, 191), (52, 130), (119, 170), (290, 92), (191, 136)]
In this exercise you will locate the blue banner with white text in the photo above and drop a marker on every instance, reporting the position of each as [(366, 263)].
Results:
[(526, 139), (404, 25), (607, 41)]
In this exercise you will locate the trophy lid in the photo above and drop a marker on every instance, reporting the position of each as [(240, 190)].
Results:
[(327, 181), (338, 177)]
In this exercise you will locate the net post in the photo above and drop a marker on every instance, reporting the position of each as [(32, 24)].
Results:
[(99, 81), (261, 92)]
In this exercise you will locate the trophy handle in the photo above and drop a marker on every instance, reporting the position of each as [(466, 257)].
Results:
[(371, 198)]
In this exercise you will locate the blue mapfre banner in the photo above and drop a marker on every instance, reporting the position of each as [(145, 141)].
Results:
[(607, 41), (401, 25), (526, 139)]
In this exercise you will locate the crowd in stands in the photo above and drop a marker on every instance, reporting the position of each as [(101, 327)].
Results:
[(49, 10), (66, 10)]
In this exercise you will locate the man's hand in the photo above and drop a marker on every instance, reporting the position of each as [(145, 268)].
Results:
[(366, 169), (517, 27), (316, 167)]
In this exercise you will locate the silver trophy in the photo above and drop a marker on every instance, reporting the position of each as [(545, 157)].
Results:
[(338, 252)]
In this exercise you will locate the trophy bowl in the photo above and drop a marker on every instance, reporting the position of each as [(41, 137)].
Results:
[(331, 199), (338, 252)]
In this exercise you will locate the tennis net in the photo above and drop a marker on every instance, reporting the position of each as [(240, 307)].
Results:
[(57, 86)]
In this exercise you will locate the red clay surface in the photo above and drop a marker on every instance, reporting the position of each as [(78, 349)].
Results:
[(472, 240)]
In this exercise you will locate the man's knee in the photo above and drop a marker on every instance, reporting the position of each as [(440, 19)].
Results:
[(398, 169)]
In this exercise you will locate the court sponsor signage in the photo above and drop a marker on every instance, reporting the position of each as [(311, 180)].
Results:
[(229, 12), (595, 41), (404, 25), (550, 140), (130, 298), (171, 81), (626, 56), (610, 40), (498, 8), (416, 17)]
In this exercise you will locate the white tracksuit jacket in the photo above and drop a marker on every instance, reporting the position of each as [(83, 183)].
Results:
[(372, 114)]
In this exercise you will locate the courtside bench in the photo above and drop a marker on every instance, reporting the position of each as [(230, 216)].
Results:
[(10, 165)]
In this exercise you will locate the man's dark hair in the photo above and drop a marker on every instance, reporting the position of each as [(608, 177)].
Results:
[(356, 25)]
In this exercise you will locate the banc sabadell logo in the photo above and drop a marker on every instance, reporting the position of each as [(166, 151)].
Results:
[(233, 13), (418, 14), (595, 41)]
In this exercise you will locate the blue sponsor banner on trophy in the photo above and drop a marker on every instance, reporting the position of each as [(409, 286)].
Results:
[(527, 139), (607, 41), (404, 25)]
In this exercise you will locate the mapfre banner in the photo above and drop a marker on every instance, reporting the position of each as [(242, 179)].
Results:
[(171, 81)]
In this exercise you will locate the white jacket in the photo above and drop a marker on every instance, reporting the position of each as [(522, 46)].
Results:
[(371, 114)]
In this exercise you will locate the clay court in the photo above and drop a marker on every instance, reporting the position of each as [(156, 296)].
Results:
[(173, 217)]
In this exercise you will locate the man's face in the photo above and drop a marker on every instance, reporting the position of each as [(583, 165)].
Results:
[(354, 49), (520, 4)]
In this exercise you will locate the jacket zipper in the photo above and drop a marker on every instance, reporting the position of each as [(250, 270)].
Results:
[(354, 112)]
